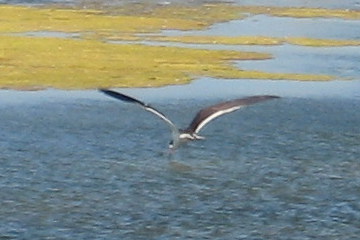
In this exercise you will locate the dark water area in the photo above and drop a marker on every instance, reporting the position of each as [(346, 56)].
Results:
[(89, 167)]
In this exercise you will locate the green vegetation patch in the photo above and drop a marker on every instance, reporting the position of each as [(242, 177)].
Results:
[(67, 63), (301, 12), (208, 14), (249, 40), (27, 63), (239, 40), (314, 42), (213, 13), (23, 19)]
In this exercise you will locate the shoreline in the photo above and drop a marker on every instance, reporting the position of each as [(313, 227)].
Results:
[(204, 88)]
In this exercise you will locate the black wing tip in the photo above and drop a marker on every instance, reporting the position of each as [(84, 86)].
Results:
[(273, 96), (264, 97), (110, 93), (257, 98), (104, 90), (121, 96)]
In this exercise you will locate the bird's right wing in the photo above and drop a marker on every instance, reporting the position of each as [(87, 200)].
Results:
[(208, 114), (145, 106)]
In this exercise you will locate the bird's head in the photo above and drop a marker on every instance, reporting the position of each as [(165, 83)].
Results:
[(171, 145)]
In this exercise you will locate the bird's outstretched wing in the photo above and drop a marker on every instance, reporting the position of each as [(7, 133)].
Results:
[(145, 106), (204, 116)]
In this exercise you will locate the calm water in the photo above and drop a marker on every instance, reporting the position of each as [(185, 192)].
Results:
[(93, 168)]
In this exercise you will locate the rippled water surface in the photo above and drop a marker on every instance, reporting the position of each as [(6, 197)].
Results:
[(94, 168)]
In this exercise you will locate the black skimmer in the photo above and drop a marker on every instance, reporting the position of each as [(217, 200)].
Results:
[(203, 117)]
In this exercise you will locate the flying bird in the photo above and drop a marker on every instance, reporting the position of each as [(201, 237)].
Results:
[(203, 117)]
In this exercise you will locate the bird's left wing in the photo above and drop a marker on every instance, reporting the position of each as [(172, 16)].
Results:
[(147, 107)]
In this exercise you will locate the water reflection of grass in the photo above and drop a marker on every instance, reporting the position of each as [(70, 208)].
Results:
[(89, 62)]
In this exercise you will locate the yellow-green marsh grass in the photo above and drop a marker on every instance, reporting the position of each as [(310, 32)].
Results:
[(239, 40), (313, 42), (208, 14), (301, 12), (22, 19), (69, 63), (250, 40), (213, 13), (27, 62)]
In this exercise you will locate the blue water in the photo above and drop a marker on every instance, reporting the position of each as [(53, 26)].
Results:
[(264, 25), (78, 165)]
